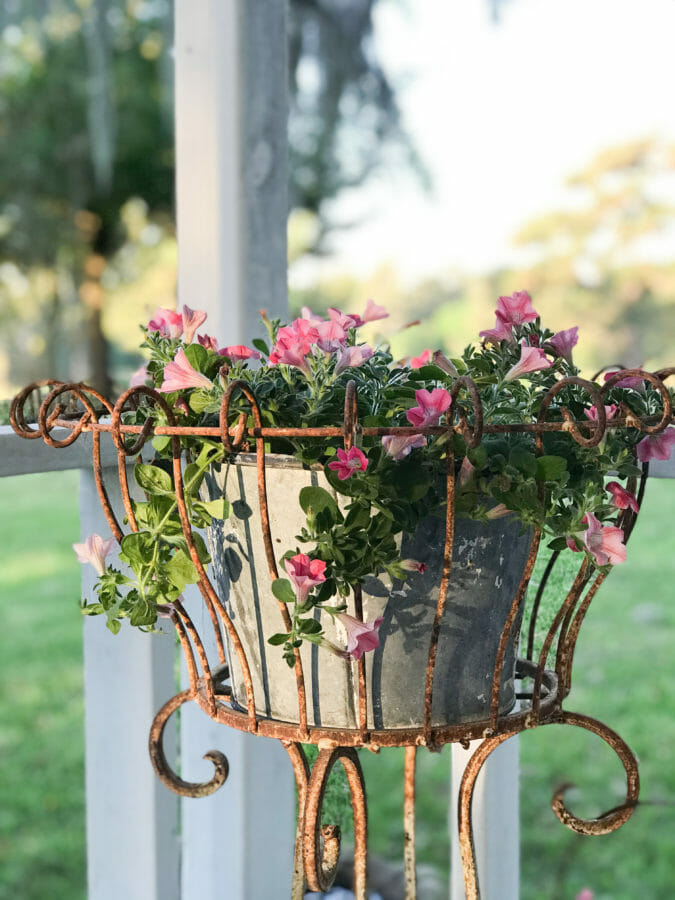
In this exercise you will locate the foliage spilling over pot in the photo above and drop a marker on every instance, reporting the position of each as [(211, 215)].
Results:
[(522, 372)]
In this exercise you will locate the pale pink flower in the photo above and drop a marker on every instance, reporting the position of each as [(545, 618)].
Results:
[(139, 377), (373, 312), (516, 309), (239, 353), (398, 446), (563, 342), (94, 550), (585, 894), (348, 462), (305, 573), (416, 362), (498, 511), (352, 357), (604, 542), (179, 375), (168, 322), (311, 317), (361, 636), (442, 361), (208, 342), (413, 565), (531, 360), (592, 413), (466, 471), (633, 382), (332, 336), (192, 319), (656, 446), (621, 498), (344, 320), (430, 408), (501, 332)]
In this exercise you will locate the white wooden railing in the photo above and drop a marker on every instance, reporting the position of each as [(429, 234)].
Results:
[(231, 211)]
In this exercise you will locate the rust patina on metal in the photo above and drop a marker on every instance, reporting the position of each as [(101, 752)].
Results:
[(80, 409)]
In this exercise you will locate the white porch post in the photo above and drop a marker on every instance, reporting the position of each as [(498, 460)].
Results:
[(231, 209)]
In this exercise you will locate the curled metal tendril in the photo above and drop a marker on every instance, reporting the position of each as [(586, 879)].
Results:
[(472, 434), (351, 415), (232, 446), (656, 380), (17, 409), (597, 426), (164, 771), (134, 394)]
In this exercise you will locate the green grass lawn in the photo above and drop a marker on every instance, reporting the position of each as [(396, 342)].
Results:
[(625, 676)]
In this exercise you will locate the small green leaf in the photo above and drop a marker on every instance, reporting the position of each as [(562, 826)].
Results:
[(217, 509), (260, 345), (277, 639), (315, 499), (180, 570), (309, 626), (551, 468), (283, 590), (198, 357), (153, 479), (137, 548)]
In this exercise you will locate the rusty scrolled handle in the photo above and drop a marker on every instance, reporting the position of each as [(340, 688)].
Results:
[(597, 426), (472, 434), (232, 446), (656, 379), (136, 393)]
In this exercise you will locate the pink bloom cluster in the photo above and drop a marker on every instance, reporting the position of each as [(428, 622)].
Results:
[(171, 324), (603, 542), (431, 405), (305, 573), (514, 310)]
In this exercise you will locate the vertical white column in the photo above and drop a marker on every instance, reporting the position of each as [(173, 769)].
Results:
[(495, 814), (132, 820), (230, 89)]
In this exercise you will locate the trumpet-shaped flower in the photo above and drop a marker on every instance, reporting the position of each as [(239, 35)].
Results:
[(592, 413), (168, 322), (305, 573), (398, 446), (656, 446), (373, 312), (348, 462), (621, 498), (139, 377), (180, 375), (516, 309), (94, 550), (416, 362), (466, 471), (603, 542), (413, 565), (192, 319), (632, 381), (208, 342), (531, 360), (239, 353), (442, 361), (430, 408), (501, 332), (361, 636), (332, 336), (352, 357), (563, 342)]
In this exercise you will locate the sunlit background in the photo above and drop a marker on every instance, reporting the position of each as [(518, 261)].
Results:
[(441, 154)]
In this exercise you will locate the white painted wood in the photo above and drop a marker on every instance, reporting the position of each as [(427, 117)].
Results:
[(132, 819), (495, 822), (231, 206)]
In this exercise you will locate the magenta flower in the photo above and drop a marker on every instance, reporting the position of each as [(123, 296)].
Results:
[(239, 353), (431, 406), (603, 542), (192, 319), (179, 375), (592, 413), (413, 565), (563, 342), (168, 322), (361, 636), (656, 446), (531, 359), (94, 550), (516, 309), (292, 355), (373, 312), (305, 573), (621, 498), (633, 382), (208, 342), (501, 332), (352, 357), (398, 446), (348, 462), (139, 377), (416, 362)]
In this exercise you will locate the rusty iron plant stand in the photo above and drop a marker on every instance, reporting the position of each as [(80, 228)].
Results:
[(81, 409)]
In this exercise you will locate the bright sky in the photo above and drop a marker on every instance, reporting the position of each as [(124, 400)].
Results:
[(502, 113)]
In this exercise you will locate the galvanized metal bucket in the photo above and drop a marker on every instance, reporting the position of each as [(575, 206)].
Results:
[(487, 566)]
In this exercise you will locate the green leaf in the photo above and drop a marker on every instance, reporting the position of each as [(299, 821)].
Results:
[(260, 345), (277, 639), (559, 543), (180, 570), (283, 590), (202, 400), (309, 626), (153, 479), (114, 625), (217, 509), (198, 357), (315, 500), (137, 548), (551, 468)]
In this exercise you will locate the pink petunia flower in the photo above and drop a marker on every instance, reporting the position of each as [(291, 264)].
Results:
[(442, 361), (192, 319), (348, 462), (239, 353), (180, 375), (604, 542), (94, 550), (592, 413), (416, 362), (361, 636), (501, 332), (563, 342), (656, 446), (466, 471), (290, 352), (585, 894), (516, 309), (344, 320), (139, 377), (633, 382), (352, 357), (373, 312), (332, 336), (168, 322), (398, 446), (531, 360), (430, 408), (413, 565), (305, 573), (621, 498), (208, 342)]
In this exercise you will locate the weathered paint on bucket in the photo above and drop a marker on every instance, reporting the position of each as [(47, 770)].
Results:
[(488, 562)]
